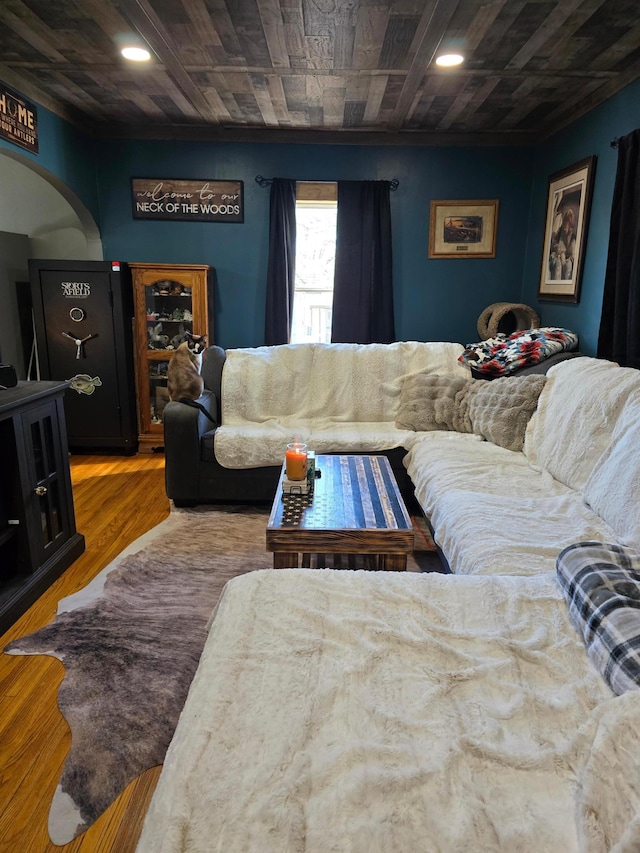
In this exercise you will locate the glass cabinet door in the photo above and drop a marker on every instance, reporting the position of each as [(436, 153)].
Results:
[(169, 317), (47, 504), (170, 301)]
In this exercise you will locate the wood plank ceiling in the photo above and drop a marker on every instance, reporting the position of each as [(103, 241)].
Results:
[(347, 71)]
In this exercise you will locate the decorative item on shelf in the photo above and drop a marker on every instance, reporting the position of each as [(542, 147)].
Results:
[(180, 336), (177, 314), (176, 288), (164, 287), (156, 340)]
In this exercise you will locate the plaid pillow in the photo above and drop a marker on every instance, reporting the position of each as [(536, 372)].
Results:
[(601, 584)]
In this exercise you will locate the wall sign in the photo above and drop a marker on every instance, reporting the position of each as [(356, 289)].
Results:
[(18, 120), (200, 201)]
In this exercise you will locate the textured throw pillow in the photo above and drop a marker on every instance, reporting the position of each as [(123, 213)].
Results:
[(500, 410), (601, 584), (432, 401)]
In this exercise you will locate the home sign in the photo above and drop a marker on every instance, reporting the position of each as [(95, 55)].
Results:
[(196, 200), (18, 120)]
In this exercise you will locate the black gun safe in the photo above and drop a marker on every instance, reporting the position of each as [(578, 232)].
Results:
[(83, 314)]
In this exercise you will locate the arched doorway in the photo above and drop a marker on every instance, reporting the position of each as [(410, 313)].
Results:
[(40, 217)]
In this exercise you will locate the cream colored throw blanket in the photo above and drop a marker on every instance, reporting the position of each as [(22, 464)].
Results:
[(336, 397), (373, 712)]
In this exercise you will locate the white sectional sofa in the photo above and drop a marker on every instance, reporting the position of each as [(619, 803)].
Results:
[(339, 398), (493, 510), (496, 511), (374, 711)]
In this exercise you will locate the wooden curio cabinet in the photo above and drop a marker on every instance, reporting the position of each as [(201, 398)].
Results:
[(169, 300)]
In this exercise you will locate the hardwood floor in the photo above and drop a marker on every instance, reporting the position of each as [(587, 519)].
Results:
[(116, 500)]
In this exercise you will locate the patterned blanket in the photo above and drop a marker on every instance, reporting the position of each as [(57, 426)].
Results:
[(504, 354), (601, 583)]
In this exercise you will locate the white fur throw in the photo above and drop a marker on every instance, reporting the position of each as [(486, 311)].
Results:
[(613, 488), (576, 415), (336, 397), (373, 712)]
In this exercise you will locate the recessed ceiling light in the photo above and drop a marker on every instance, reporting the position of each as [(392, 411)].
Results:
[(137, 54), (447, 60)]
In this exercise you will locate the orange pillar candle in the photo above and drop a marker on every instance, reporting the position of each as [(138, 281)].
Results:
[(296, 461)]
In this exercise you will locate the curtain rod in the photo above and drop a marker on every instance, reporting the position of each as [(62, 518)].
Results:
[(266, 182)]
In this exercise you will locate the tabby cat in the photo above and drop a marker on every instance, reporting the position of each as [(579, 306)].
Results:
[(183, 376)]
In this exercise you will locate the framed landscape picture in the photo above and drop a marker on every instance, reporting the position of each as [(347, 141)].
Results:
[(463, 229), (565, 231)]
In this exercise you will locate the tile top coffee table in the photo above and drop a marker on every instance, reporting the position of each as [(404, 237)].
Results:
[(355, 508)]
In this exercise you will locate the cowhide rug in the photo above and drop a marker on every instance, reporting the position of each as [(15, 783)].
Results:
[(130, 642)]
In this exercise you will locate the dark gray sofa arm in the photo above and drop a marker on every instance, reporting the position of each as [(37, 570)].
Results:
[(184, 426)]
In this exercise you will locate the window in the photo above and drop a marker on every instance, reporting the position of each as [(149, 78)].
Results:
[(316, 212)]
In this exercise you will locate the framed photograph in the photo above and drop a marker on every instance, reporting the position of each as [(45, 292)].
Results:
[(565, 231), (463, 229)]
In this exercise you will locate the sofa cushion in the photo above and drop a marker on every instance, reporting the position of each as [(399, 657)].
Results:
[(433, 401), (613, 487), (500, 410), (490, 513), (258, 445), (601, 584), (576, 415)]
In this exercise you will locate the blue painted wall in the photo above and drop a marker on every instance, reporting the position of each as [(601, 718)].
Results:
[(591, 134), (434, 299), (66, 153)]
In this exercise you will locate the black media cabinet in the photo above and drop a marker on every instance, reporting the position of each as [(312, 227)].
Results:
[(38, 537)]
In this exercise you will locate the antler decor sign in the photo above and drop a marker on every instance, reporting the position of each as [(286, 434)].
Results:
[(18, 120)]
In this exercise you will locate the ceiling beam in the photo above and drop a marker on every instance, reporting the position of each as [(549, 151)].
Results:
[(333, 136)]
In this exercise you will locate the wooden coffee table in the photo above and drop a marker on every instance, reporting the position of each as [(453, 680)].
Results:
[(356, 508)]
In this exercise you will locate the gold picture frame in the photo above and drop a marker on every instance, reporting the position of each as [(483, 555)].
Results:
[(565, 231), (463, 229)]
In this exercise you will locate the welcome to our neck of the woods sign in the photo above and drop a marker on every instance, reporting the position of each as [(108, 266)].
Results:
[(196, 200), (18, 120)]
